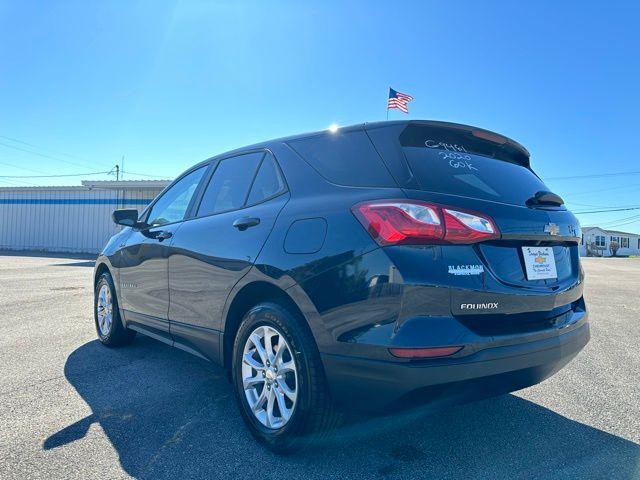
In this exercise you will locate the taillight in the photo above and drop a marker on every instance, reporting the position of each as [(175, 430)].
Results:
[(467, 227), (397, 222)]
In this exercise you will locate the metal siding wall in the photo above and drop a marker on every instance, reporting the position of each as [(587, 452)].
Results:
[(102, 230), (5, 221), (59, 226)]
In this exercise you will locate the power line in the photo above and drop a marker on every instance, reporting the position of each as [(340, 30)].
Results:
[(589, 192), (620, 222), (623, 224), (40, 154), (55, 176), (594, 175), (15, 140), (16, 183), (118, 169), (599, 206), (628, 222), (21, 168), (623, 219), (164, 177), (609, 210), (45, 175), (85, 161), (51, 157)]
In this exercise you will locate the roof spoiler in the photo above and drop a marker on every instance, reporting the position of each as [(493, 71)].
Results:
[(517, 152)]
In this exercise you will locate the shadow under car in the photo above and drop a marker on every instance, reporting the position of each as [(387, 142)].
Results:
[(168, 414)]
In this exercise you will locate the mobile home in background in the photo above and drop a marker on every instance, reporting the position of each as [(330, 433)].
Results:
[(596, 242)]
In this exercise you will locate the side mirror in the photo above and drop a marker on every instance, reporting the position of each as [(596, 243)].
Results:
[(126, 216)]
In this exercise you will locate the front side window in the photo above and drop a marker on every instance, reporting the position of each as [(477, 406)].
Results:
[(172, 206), (624, 242), (228, 187)]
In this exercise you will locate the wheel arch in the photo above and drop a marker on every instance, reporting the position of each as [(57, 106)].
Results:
[(246, 298), (100, 268), (103, 265)]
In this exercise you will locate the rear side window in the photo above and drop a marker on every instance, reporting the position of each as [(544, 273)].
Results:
[(228, 187), (345, 158), (268, 182)]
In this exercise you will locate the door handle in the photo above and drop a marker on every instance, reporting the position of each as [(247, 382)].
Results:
[(163, 235), (243, 223)]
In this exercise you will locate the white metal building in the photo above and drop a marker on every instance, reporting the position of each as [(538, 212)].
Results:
[(596, 242), (68, 219)]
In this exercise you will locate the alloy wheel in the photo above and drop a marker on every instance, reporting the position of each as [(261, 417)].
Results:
[(269, 377), (104, 309)]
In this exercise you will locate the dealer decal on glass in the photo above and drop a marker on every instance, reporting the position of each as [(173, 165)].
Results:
[(539, 262)]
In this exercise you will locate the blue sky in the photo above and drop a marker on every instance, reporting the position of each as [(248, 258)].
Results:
[(168, 83)]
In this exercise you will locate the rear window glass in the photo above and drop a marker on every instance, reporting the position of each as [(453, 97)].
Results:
[(447, 162), (268, 182), (472, 175), (345, 158), (229, 184)]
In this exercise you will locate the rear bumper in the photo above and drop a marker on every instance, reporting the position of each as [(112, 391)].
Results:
[(366, 384)]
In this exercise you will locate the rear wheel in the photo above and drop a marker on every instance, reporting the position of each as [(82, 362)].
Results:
[(279, 381), (111, 331), (271, 389)]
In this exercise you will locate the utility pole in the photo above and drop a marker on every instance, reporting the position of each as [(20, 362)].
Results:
[(117, 173)]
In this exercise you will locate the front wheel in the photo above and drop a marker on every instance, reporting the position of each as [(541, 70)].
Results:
[(111, 331), (279, 381)]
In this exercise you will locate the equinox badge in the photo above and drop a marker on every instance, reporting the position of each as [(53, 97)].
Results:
[(479, 306)]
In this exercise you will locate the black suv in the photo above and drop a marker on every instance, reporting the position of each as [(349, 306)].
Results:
[(364, 268)]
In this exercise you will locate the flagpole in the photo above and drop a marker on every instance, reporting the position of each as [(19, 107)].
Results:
[(388, 104)]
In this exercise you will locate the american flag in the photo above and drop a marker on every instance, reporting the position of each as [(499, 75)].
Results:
[(398, 100)]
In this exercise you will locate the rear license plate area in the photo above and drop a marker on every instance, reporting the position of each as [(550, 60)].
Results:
[(540, 263)]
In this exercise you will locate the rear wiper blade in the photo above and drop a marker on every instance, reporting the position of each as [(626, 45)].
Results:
[(545, 198)]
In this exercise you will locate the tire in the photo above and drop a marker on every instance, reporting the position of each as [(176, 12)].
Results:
[(313, 416), (111, 331)]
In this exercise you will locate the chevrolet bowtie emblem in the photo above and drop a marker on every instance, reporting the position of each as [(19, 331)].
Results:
[(552, 229)]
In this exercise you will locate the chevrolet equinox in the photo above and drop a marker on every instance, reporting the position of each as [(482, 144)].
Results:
[(364, 268)]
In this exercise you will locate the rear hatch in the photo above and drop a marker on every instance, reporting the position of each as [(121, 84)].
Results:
[(536, 254)]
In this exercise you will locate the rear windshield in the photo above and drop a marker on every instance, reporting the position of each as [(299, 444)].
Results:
[(471, 175), (453, 165)]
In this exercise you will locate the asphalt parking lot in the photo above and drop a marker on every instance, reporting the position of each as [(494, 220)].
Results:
[(70, 408)]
